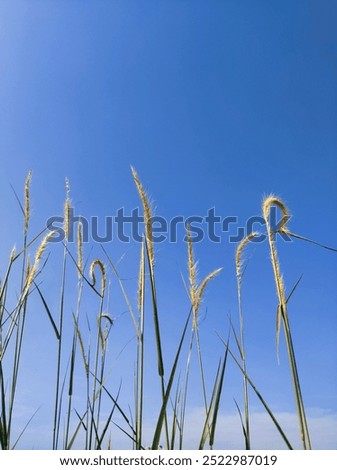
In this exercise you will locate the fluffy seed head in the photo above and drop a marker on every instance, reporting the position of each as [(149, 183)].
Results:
[(273, 200), (33, 270), (266, 205), (27, 201), (200, 293), (80, 249), (67, 209), (12, 255), (196, 291), (147, 215), (239, 252), (192, 267), (140, 292)]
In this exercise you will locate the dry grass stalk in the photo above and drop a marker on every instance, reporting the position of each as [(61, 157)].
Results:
[(12, 255), (192, 268), (239, 252), (267, 203), (67, 209), (33, 270), (239, 275), (140, 291), (273, 200), (147, 215), (27, 201), (196, 291), (203, 285), (28, 266), (80, 249), (282, 313)]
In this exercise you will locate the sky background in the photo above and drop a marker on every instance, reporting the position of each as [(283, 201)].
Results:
[(216, 104)]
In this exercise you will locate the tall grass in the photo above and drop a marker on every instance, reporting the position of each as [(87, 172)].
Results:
[(241, 343), (282, 313), (196, 292), (89, 406)]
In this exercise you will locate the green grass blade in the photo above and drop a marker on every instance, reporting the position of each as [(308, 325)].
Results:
[(296, 383), (206, 429), (218, 398), (115, 402), (162, 414), (260, 397), (24, 429), (294, 288), (78, 427), (241, 421), (50, 316), (175, 420), (4, 437), (326, 247), (184, 397)]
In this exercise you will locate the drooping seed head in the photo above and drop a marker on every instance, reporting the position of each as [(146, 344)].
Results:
[(266, 205), (39, 253), (200, 292), (100, 264), (239, 252), (273, 200)]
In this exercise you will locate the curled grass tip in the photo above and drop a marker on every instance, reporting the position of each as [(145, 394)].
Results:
[(101, 266), (273, 200)]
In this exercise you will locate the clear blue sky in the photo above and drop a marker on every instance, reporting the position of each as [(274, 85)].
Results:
[(215, 103)]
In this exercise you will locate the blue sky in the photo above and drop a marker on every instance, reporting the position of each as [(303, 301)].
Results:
[(216, 104)]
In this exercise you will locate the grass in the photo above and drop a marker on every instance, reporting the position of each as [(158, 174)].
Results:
[(83, 361)]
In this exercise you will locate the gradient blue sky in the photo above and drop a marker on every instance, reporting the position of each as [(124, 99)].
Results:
[(216, 104)]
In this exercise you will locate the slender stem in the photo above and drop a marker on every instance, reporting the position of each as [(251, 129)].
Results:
[(73, 356), (19, 332), (94, 389), (140, 355), (57, 406), (244, 366), (184, 398), (159, 348), (202, 375)]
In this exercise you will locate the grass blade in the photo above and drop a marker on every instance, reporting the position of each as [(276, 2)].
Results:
[(260, 397), (162, 414), (53, 324), (206, 428)]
